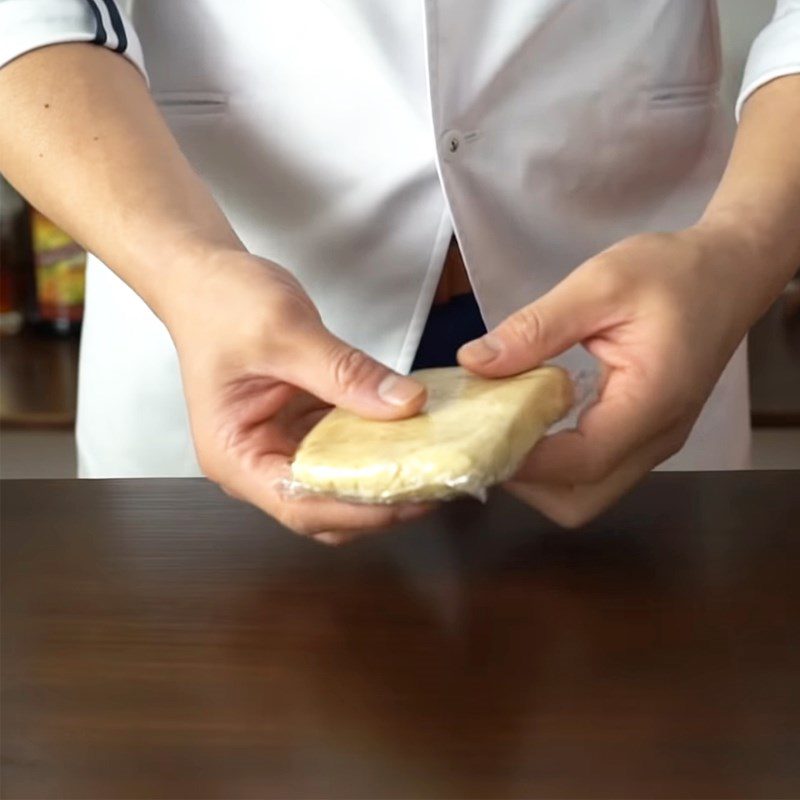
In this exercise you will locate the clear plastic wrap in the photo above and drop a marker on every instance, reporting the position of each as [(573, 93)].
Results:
[(473, 433)]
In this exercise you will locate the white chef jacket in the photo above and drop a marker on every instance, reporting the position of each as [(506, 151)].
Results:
[(350, 139)]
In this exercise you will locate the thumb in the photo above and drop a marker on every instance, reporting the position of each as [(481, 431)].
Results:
[(339, 374), (565, 316)]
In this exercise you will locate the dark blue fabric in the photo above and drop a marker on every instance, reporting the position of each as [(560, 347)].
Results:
[(117, 24), (449, 326), (100, 36)]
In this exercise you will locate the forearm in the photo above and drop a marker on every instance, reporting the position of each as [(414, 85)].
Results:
[(83, 140), (758, 199)]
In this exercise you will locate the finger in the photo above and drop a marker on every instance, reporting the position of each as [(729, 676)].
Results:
[(573, 505), (315, 515), (332, 539), (581, 305), (265, 486), (621, 422), (409, 512), (341, 375)]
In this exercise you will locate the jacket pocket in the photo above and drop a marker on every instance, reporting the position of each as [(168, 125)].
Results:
[(684, 59), (191, 103), (682, 96)]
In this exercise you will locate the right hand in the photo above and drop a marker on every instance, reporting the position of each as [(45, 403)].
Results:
[(259, 369)]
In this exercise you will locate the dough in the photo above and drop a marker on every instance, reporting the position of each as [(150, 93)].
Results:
[(473, 432)]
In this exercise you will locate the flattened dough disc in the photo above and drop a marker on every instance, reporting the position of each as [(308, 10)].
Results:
[(473, 432)]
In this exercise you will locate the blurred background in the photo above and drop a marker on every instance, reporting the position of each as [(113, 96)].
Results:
[(41, 305)]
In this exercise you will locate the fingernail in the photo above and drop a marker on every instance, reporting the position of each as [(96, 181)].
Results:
[(328, 539), (481, 351), (397, 390), (332, 539), (413, 512)]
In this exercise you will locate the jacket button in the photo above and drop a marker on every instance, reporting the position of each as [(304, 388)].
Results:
[(450, 143)]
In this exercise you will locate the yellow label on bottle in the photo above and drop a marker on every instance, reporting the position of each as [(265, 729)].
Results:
[(60, 270)]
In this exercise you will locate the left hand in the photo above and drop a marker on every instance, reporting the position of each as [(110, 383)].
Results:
[(663, 313)]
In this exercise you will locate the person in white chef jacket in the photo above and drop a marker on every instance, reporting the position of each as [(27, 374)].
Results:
[(271, 192)]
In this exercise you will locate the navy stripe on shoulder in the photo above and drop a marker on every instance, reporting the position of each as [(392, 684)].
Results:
[(118, 25), (100, 36)]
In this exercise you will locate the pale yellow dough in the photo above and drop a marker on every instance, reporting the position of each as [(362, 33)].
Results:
[(473, 432)]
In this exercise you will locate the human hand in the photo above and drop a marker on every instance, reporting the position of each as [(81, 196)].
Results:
[(259, 370), (663, 313)]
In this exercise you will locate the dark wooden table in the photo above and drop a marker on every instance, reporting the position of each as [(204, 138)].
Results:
[(162, 641)]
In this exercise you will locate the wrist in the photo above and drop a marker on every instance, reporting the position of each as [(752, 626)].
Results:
[(745, 257), (221, 298), (170, 273)]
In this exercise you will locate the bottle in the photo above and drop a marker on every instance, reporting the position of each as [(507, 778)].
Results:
[(60, 270), (15, 258)]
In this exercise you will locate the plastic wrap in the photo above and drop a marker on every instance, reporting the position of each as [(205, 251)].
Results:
[(473, 433)]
